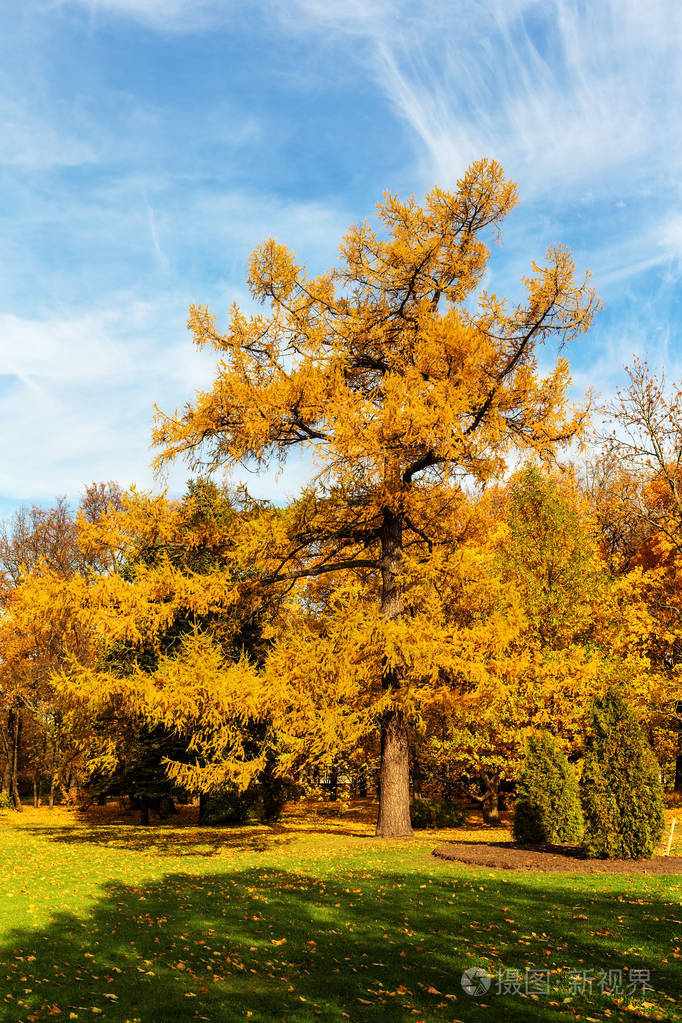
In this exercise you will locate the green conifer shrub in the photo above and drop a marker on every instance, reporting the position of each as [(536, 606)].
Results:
[(547, 807), (621, 791)]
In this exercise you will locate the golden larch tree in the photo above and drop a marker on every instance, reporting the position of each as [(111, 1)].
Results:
[(405, 378)]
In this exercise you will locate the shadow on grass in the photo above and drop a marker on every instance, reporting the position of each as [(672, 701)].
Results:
[(170, 840), (167, 841), (269, 945)]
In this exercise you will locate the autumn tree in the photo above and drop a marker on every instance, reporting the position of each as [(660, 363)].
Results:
[(39, 554), (613, 492), (404, 377), (533, 576), (646, 445), (38, 536), (170, 677), (34, 538), (647, 438)]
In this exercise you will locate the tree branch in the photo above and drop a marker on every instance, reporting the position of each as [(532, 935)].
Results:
[(316, 570)]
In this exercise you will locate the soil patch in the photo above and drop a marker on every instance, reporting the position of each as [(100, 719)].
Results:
[(557, 859)]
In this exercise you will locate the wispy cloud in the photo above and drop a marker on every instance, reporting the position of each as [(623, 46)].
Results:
[(153, 231), (149, 145), (78, 394), (567, 94), (31, 142), (563, 92), (165, 15)]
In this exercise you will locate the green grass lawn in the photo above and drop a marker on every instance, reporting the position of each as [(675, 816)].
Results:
[(314, 920)]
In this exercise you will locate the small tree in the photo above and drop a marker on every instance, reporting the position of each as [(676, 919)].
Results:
[(548, 803), (621, 790)]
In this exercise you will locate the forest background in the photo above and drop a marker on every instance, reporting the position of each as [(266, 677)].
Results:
[(447, 583)]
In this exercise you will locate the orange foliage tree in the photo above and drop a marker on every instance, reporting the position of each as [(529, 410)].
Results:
[(404, 377), (42, 571), (646, 445), (168, 625), (567, 629)]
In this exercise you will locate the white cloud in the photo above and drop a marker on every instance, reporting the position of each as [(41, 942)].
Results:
[(165, 15), (78, 394), (618, 348), (567, 95), (77, 348), (31, 142), (564, 94), (579, 102), (313, 229)]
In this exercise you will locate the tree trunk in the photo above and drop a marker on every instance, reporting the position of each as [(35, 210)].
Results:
[(36, 789), (490, 803), (678, 773), (5, 735), (334, 783), (53, 782), (491, 809), (394, 802), (14, 771), (203, 805), (394, 776)]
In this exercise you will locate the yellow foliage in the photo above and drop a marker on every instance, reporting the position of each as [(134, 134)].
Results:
[(405, 380)]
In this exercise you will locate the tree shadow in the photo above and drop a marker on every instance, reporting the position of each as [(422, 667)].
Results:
[(269, 945), (182, 835), (168, 841)]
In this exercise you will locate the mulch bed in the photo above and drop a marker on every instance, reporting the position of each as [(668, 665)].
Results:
[(555, 859)]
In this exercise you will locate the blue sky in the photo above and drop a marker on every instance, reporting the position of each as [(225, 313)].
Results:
[(148, 145)]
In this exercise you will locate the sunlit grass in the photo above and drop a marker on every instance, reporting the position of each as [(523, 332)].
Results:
[(312, 919)]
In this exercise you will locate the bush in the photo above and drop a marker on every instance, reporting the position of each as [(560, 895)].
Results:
[(229, 806), (420, 813), (600, 812), (621, 789), (447, 815), (5, 801), (548, 800), (263, 800), (436, 813), (273, 793)]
